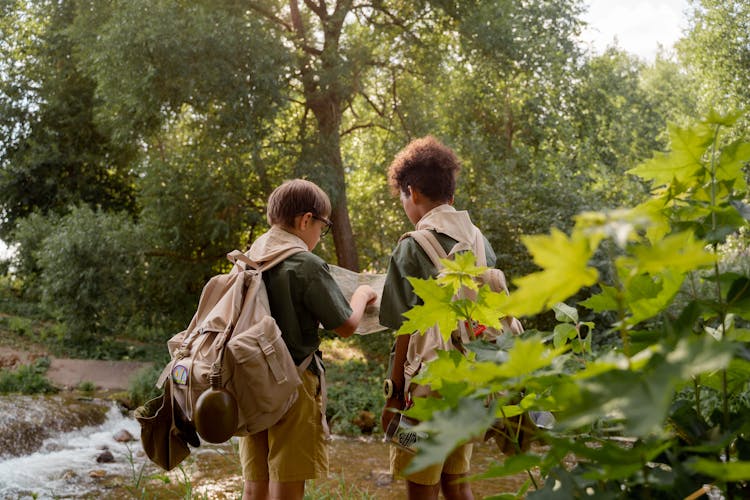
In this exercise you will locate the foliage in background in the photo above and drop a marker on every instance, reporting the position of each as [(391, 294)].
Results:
[(354, 379), (53, 154), (27, 379), (663, 411), (92, 271), (716, 50), (185, 116)]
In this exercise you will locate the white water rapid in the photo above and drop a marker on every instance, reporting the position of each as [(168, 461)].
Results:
[(66, 467)]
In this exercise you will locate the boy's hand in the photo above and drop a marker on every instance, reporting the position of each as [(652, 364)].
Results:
[(367, 293)]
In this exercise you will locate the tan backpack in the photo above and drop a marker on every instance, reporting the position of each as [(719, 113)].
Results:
[(423, 348), (233, 346)]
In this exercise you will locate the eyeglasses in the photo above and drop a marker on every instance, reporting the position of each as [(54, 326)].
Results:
[(325, 221)]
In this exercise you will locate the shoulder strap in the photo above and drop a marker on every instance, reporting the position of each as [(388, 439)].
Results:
[(236, 257), (430, 244), (481, 254), (434, 250)]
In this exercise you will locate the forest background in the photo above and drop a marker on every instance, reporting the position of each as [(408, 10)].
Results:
[(140, 139)]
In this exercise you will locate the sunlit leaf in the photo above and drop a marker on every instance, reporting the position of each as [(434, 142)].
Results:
[(684, 161), (725, 119), (607, 300), (566, 270), (435, 310), (679, 252), (460, 271)]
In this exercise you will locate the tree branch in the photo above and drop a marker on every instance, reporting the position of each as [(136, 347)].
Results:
[(263, 10), (319, 9)]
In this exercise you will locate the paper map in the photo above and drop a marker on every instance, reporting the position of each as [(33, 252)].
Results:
[(348, 281)]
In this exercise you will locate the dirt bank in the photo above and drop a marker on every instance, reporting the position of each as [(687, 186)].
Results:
[(67, 373)]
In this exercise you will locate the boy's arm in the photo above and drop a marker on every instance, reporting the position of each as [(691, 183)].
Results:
[(397, 401), (362, 296)]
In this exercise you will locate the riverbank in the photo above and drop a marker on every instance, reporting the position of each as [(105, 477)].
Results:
[(68, 373)]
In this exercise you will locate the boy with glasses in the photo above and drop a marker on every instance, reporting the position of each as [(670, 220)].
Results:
[(302, 295)]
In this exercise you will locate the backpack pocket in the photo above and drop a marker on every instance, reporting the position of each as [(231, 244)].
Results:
[(265, 378)]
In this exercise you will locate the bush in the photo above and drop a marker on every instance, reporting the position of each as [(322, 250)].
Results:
[(354, 389), (91, 268), (27, 379), (143, 386)]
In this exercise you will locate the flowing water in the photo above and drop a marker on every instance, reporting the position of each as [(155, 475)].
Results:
[(49, 447)]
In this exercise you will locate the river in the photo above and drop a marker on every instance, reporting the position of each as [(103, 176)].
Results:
[(50, 446)]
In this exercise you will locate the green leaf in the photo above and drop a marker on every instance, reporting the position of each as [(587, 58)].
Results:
[(679, 252), (725, 119), (604, 301), (562, 333), (732, 471), (436, 309), (566, 270), (719, 223), (683, 162), (488, 307), (639, 397), (647, 295), (527, 356), (460, 271), (448, 429), (565, 313), (731, 162)]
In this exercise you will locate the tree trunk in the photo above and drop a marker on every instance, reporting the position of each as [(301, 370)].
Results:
[(327, 111), (326, 100)]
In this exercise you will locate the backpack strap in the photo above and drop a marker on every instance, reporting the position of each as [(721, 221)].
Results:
[(434, 250), (430, 244), (236, 257)]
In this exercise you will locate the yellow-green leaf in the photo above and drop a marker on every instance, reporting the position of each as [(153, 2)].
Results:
[(679, 252), (684, 161), (565, 270)]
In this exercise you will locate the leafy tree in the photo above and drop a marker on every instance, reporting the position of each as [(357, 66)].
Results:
[(344, 70), (717, 50), (52, 153), (92, 271)]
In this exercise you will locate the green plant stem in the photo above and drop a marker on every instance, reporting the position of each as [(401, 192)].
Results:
[(722, 307), (697, 388)]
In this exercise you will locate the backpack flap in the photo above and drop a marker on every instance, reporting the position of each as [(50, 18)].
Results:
[(265, 377)]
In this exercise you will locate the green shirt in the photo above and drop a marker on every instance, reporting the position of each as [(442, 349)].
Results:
[(409, 260), (302, 295)]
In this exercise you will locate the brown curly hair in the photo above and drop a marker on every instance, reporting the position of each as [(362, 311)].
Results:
[(427, 165)]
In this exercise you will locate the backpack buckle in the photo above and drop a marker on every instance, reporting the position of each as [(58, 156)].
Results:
[(268, 349)]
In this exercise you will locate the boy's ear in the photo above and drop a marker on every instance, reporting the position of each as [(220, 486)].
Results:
[(301, 221), (416, 195)]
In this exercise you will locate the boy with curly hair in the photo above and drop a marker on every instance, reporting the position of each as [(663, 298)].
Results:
[(424, 175)]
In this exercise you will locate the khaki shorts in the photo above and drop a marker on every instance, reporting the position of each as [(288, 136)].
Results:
[(293, 449), (458, 462)]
